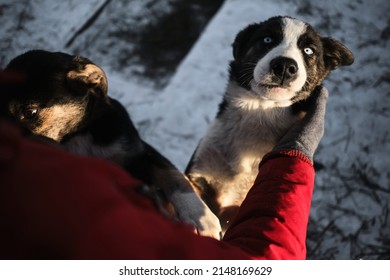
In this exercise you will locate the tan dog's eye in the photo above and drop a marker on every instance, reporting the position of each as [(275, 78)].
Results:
[(29, 113)]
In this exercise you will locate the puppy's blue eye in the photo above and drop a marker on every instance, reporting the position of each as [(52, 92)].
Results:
[(308, 51), (267, 40)]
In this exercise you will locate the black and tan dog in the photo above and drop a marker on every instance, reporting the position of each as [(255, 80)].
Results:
[(64, 98), (277, 64)]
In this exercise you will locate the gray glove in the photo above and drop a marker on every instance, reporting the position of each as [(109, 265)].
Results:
[(306, 134)]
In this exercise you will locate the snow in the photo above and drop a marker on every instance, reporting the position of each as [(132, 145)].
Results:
[(350, 209)]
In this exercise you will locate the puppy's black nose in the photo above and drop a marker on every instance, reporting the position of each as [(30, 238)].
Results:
[(284, 69)]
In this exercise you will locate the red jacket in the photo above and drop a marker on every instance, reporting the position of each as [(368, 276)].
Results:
[(55, 205)]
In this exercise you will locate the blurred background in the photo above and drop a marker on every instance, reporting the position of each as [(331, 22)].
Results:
[(167, 62)]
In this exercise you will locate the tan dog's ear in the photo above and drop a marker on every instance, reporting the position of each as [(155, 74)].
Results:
[(91, 79)]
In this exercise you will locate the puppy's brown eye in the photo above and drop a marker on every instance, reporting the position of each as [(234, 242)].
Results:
[(29, 113)]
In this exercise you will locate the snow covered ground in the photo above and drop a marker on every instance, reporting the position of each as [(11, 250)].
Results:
[(350, 216)]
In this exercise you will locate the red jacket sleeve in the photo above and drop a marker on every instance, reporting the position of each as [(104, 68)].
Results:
[(54, 205), (272, 221)]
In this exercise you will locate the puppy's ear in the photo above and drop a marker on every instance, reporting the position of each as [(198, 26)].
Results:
[(336, 54), (89, 79), (242, 41)]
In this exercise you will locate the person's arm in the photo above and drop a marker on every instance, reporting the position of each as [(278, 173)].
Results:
[(54, 205), (272, 221), (59, 206)]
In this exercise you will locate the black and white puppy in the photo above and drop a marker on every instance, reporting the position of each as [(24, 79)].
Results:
[(277, 65), (64, 98)]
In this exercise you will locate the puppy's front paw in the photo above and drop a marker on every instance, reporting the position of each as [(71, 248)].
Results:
[(209, 225), (192, 210)]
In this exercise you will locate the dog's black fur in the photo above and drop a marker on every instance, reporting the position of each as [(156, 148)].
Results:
[(277, 65), (64, 98)]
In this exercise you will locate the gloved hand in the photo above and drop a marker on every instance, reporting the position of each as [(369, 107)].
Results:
[(306, 134)]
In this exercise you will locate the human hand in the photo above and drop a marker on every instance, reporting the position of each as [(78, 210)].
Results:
[(306, 134)]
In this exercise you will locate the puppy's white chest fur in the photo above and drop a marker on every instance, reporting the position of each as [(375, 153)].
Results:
[(229, 155)]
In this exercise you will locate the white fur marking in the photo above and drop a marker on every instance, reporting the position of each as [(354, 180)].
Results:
[(293, 29), (249, 100)]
